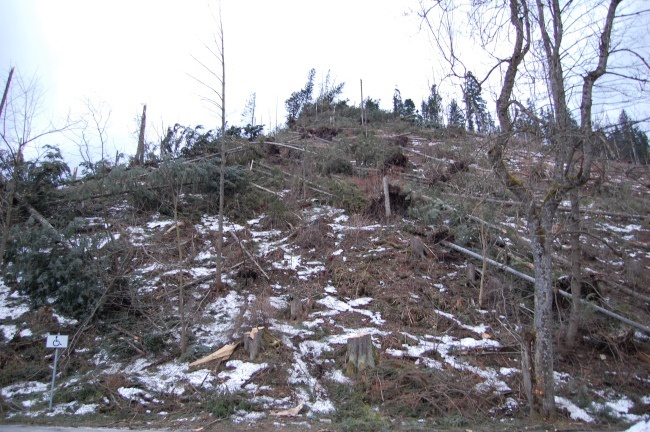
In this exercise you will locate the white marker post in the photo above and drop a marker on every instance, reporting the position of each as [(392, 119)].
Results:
[(57, 342)]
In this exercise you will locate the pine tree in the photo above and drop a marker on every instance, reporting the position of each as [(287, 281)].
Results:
[(475, 106), (432, 108), (455, 117)]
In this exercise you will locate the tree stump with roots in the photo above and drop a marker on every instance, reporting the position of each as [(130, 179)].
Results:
[(360, 355)]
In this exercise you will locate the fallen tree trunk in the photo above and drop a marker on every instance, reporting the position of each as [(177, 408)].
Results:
[(531, 279)]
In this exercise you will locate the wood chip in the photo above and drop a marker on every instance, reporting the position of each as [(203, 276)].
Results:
[(222, 353)]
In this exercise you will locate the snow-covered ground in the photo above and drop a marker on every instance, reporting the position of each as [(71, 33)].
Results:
[(151, 384)]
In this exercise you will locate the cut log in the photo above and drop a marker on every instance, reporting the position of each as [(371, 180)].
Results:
[(253, 341), (360, 354)]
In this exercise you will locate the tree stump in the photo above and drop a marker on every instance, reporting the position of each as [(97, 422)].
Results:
[(297, 309), (417, 248), (472, 277), (253, 341), (360, 354)]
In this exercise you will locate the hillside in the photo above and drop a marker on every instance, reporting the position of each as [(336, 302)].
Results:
[(311, 260)]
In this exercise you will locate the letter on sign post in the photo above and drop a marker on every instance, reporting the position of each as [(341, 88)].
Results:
[(57, 342)]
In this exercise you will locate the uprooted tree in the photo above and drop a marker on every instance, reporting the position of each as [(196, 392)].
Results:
[(573, 149)]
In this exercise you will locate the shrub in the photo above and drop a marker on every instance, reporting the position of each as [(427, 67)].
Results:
[(338, 165)]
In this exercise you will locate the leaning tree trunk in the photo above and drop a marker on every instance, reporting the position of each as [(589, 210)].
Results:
[(540, 226)]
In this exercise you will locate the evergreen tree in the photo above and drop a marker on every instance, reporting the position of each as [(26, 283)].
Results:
[(299, 99), (477, 115), (432, 108), (455, 116), (408, 108), (630, 142)]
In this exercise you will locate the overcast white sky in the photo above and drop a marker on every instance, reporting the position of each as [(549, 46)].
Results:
[(120, 54), (126, 53)]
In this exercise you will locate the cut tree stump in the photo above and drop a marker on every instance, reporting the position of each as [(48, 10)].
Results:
[(253, 341), (360, 354), (297, 309)]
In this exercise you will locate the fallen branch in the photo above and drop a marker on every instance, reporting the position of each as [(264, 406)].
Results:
[(565, 294), (266, 190)]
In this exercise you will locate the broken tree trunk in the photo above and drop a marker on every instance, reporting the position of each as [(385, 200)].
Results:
[(360, 354), (139, 154), (253, 341)]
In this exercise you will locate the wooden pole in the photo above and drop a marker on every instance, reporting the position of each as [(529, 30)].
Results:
[(386, 197)]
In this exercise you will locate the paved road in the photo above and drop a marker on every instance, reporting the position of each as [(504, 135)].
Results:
[(22, 428)]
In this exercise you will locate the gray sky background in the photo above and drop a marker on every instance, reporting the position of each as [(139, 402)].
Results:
[(120, 54), (126, 53)]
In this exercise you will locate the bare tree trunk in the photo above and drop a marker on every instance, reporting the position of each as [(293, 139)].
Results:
[(139, 154), (481, 291), (222, 173), (4, 94), (181, 282), (576, 277), (543, 381)]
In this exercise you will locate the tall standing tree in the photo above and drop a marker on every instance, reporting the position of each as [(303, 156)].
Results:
[(476, 112), (524, 22), (216, 98)]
